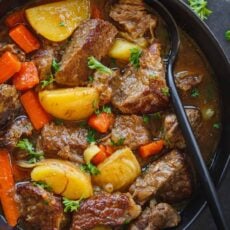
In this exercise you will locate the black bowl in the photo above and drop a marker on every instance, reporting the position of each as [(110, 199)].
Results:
[(205, 39)]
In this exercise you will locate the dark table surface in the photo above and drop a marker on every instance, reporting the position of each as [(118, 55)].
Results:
[(218, 22)]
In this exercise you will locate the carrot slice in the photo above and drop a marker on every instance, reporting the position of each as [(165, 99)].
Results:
[(101, 122), (151, 148), (15, 18), (24, 38), (27, 77), (35, 111), (9, 65), (7, 189), (96, 12), (99, 157)]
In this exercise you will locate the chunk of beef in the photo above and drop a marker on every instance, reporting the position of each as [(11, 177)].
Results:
[(132, 129), (155, 217), (12, 48), (9, 104), (172, 133), (105, 209), (39, 209), (161, 172), (20, 127), (133, 18), (102, 82), (43, 60), (185, 80), (67, 142), (142, 90), (92, 38)]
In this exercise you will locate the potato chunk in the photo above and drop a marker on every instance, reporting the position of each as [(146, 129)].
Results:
[(118, 171), (64, 178), (56, 21), (121, 49), (70, 104)]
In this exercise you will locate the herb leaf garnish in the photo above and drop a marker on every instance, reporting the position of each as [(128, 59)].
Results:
[(135, 54), (49, 80), (90, 168), (118, 143), (200, 8), (71, 205), (93, 63)]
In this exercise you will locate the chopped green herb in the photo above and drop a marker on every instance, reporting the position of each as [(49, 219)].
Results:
[(90, 79), (93, 63), (58, 121), (126, 221), (55, 66), (200, 8), (48, 81), (216, 125), (165, 91), (146, 119), (91, 136), (34, 156), (104, 109), (83, 124), (95, 105), (157, 115), (227, 35), (90, 168), (62, 24), (71, 205), (135, 54), (43, 185), (118, 143), (195, 93)]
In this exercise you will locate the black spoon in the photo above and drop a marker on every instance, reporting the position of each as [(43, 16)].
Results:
[(206, 181)]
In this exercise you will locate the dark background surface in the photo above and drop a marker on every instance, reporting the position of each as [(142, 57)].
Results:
[(219, 22)]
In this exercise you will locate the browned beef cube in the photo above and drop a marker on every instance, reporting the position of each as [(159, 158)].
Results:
[(142, 90), (105, 209), (39, 209), (132, 129), (19, 128), (185, 80), (161, 172), (93, 37), (9, 104), (172, 133), (133, 17), (156, 217), (67, 142)]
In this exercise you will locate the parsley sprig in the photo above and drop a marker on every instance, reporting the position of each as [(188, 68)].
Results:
[(90, 168), (93, 63), (200, 8), (195, 92), (55, 65), (91, 135), (43, 185), (135, 54), (49, 80), (227, 35), (71, 205), (33, 156), (118, 143), (104, 109)]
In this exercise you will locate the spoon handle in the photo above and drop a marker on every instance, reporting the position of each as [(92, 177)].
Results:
[(206, 181)]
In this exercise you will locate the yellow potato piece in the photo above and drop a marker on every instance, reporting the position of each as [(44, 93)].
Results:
[(56, 21), (70, 104), (118, 171), (90, 152), (121, 49), (64, 178)]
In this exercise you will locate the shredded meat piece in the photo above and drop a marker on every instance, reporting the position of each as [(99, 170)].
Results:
[(172, 133), (142, 90), (156, 217), (9, 104), (132, 129), (66, 142), (39, 209), (105, 209), (161, 172), (20, 127), (133, 18)]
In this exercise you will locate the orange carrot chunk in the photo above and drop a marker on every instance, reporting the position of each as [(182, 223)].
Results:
[(27, 77), (7, 189), (15, 18), (99, 157), (9, 65), (96, 12), (101, 122), (151, 148), (35, 111), (24, 38)]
